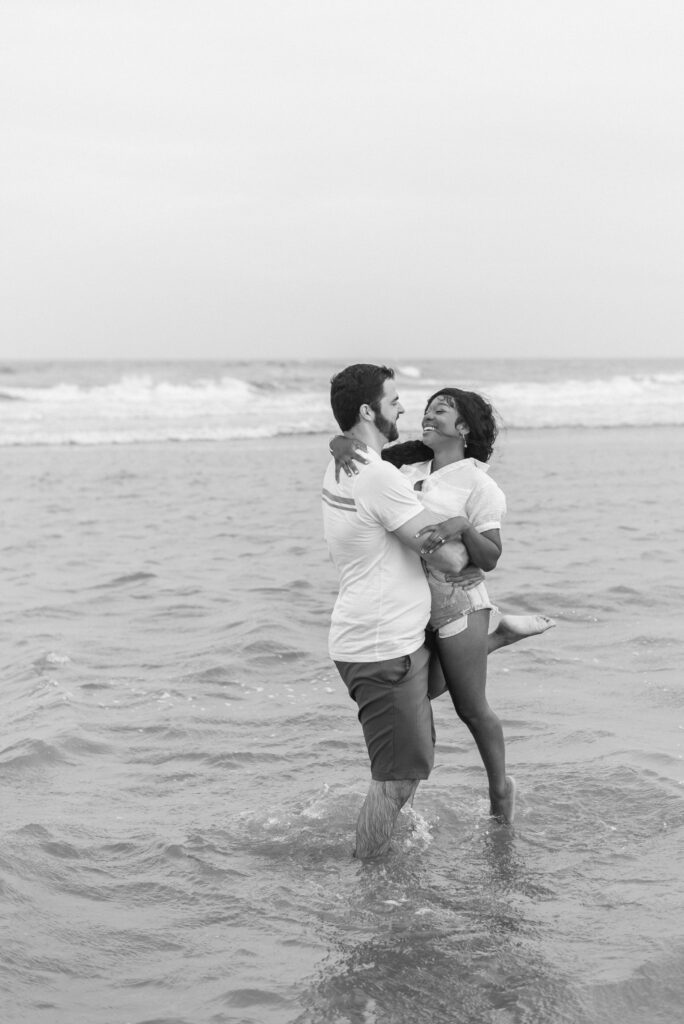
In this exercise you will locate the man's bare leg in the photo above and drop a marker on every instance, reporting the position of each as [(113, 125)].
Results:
[(512, 628), (378, 815)]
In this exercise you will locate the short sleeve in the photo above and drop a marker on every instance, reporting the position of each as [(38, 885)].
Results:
[(486, 506), (384, 495)]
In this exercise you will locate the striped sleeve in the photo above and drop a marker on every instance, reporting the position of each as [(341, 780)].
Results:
[(337, 501)]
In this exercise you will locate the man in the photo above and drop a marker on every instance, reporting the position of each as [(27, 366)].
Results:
[(377, 634)]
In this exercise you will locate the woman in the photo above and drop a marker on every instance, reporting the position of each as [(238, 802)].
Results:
[(449, 469)]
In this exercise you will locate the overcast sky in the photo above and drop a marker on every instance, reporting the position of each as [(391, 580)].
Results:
[(247, 178)]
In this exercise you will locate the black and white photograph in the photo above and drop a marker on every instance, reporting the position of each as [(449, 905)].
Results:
[(342, 552)]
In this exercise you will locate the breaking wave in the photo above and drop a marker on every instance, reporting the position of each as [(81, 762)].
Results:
[(142, 408)]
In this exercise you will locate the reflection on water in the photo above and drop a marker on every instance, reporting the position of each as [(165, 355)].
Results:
[(478, 923), (428, 940)]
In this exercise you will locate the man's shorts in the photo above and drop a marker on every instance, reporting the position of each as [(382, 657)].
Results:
[(395, 713)]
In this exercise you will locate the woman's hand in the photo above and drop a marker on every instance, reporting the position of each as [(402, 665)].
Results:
[(346, 453), (440, 533), (469, 576)]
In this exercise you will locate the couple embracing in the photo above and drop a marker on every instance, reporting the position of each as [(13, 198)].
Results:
[(410, 529)]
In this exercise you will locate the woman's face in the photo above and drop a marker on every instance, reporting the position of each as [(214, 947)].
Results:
[(439, 421)]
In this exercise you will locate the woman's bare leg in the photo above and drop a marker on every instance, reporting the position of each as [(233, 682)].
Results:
[(464, 662), (436, 681), (509, 630)]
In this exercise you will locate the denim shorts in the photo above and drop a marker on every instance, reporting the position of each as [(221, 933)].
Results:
[(395, 714), (452, 604)]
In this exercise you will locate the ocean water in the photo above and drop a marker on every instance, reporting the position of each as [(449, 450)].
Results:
[(127, 403), (182, 769)]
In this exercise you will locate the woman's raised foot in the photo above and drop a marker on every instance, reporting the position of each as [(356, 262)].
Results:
[(512, 628)]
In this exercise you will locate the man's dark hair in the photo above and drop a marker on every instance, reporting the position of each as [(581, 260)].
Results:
[(357, 385)]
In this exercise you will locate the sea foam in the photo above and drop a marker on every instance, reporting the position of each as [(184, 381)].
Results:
[(147, 408)]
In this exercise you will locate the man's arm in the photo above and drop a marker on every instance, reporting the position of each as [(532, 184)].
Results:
[(448, 557), (385, 496), (484, 548)]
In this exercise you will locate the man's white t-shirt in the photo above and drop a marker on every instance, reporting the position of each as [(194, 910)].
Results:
[(383, 603)]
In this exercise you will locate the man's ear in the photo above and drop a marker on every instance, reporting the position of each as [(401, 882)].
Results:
[(366, 413)]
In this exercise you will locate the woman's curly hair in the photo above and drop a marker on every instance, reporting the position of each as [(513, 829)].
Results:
[(473, 411)]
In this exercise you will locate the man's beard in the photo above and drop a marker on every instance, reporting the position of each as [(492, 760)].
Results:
[(386, 427)]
